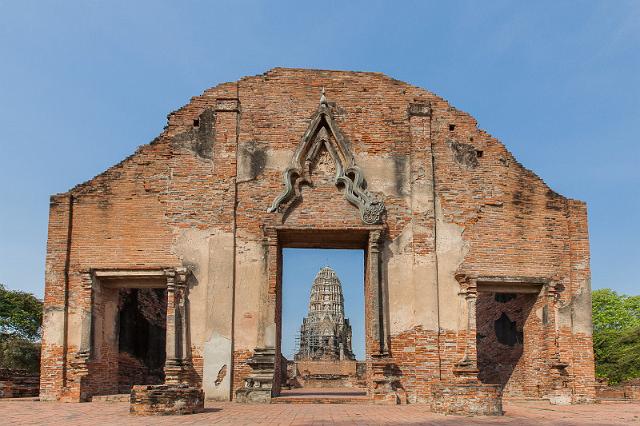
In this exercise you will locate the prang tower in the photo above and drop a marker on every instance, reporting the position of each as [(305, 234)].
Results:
[(325, 334)]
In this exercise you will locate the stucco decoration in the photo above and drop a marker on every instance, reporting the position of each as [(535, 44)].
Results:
[(323, 131)]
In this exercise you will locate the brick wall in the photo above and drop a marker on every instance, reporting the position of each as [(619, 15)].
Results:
[(457, 202)]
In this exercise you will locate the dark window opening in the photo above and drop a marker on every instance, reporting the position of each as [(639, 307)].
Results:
[(196, 122), (479, 154), (504, 297), (507, 331), (452, 127)]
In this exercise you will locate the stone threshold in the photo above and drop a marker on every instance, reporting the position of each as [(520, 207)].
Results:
[(322, 396), (119, 397)]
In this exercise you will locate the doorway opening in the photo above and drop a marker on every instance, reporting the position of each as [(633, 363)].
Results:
[(506, 343), (128, 336), (323, 323), (142, 323)]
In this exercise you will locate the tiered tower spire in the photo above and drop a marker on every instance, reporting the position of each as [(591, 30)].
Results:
[(325, 334)]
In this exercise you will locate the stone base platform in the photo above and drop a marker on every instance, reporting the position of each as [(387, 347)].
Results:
[(254, 395), (161, 400), (467, 399)]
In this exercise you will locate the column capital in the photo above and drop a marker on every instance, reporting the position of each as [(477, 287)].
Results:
[(375, 236), (176, 278), (554, 288), (87, 279), (375, 240), (270, 236), (181, 276), (468, 286)]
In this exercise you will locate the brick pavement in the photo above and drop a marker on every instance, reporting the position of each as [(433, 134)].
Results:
[(517, 413)]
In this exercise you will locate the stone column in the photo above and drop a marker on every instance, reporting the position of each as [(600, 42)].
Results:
[(378, 290), (184, 341), (177, 342), (383, 376), (468, 365), (471, 350), (80, 361), (267, 307), (86, 315), (170, 331), (559, 393)]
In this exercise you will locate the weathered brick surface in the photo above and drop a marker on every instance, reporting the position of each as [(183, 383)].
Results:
[(457, 204), (240, 368)]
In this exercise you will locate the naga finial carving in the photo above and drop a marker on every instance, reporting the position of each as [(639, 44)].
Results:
[(323, 131), (323, 99)]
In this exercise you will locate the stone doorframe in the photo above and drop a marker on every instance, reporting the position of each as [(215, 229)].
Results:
[(178, 348), (542, 287), (264, 381)]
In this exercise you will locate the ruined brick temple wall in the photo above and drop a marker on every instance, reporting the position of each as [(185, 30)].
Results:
[(457, 203)]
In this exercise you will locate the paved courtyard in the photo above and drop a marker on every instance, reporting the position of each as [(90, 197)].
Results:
[(116, 413)]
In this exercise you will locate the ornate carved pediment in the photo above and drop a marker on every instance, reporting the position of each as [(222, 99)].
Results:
[(323, 132)]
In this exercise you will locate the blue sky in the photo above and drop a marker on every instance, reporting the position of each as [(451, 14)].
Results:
[(83, 83)]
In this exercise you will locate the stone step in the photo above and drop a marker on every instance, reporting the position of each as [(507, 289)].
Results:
[(310, 399), (322, 396), (120, 397)]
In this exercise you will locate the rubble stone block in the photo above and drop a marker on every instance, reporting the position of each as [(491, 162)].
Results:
[(163, 400), (467, 399)]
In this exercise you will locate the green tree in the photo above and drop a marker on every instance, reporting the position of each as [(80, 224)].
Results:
[(19, 353), (20, 327), (20, 314), (613, 311), (616, 335)]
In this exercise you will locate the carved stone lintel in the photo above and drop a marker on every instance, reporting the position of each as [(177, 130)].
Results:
[(323, 131)]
